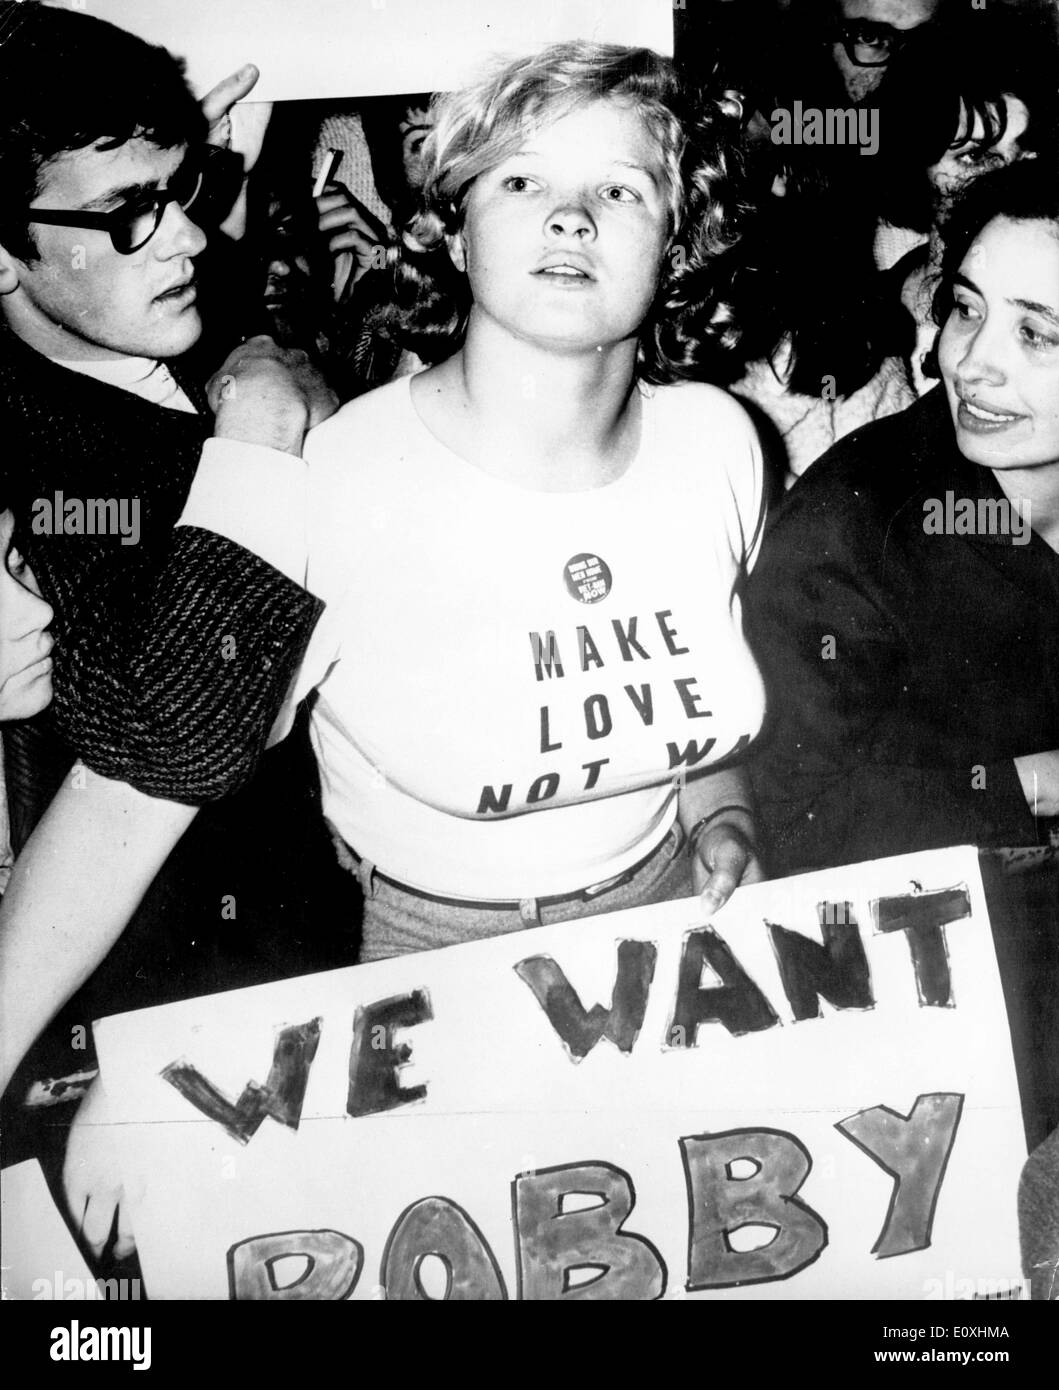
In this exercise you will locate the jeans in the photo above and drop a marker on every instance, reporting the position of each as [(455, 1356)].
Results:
[(397, 921)]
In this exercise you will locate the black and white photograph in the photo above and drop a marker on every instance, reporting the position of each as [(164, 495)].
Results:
[(529, 667)]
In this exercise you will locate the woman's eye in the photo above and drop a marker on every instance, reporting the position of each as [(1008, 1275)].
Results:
[(16, 565), (963, 310), (1038, 339), (618, 193), (519, 183)]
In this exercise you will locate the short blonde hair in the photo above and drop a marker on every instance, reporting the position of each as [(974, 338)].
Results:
[(477, 128)]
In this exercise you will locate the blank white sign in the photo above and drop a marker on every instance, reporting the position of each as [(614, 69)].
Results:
[(353, 48)]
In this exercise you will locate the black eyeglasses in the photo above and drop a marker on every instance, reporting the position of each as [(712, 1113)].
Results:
[(208, 180), (870, 45)]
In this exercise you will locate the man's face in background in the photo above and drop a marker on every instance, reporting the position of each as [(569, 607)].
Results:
[(396, 129), (872, 28), (416, 124)]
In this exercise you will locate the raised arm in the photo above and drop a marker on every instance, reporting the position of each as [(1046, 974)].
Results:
[(173, 655)]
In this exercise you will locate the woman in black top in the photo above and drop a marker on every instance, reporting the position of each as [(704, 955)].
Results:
[(905, 611)]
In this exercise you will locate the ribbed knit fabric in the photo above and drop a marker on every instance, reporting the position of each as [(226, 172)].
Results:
[(149, 690), (172, 653)]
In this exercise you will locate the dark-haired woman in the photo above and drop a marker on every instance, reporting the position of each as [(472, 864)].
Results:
[(25, 656), (906, 607), (985, 97)]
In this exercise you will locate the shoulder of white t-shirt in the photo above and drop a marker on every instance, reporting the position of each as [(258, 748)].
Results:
[(357, 452), (367, 421), (711, 416)]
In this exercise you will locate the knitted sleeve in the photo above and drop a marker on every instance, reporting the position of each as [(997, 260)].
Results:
[(170, 668)]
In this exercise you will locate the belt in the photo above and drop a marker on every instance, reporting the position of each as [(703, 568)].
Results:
[(529, 908)]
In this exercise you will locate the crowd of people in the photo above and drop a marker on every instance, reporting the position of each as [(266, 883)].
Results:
[(468, 593)]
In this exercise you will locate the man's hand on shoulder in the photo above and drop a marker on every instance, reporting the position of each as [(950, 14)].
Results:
[(270, 395)]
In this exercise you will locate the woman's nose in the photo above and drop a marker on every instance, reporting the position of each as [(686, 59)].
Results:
[(33, 612), (982, 358), (572, 219)]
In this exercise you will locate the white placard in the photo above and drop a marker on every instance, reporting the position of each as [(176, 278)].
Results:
[(360, 48), (38, 1257), (813, 1098)]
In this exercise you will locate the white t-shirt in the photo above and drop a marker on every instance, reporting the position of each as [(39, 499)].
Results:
[(511, 681)]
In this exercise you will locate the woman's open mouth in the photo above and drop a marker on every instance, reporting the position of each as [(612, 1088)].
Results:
[(565, 269)]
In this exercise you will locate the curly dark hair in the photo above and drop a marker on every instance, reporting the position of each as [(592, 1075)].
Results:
[(478, 127)]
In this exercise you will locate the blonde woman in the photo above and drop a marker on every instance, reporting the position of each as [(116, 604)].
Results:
[(533, 684)]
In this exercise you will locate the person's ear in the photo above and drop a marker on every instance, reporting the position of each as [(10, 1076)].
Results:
[(457, 251), (9, 271)]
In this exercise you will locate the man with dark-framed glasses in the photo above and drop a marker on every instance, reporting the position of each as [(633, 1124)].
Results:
[(205, 186), (172, 653), (107, 185), (866, 34)]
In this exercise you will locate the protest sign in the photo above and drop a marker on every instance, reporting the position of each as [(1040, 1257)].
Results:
[(38, 1258), (359, 48), (812, 1097)]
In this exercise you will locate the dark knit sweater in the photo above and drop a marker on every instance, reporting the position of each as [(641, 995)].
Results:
[(148, 690), (172, 654)]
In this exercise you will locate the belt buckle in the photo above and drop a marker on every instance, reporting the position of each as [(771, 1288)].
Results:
[(619, 880), (596, 889)]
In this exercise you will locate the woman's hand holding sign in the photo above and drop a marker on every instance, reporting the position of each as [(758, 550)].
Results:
[(92, 1178), (723, 859), (716, 814)]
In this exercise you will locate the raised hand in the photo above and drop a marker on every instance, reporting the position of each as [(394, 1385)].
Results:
[(234, 127), (356, 238), (237, 127)]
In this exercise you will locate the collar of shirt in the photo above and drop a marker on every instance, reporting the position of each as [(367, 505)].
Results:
[(143, 376)]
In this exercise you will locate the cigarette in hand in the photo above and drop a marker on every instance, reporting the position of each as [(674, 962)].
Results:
[(328, 169)]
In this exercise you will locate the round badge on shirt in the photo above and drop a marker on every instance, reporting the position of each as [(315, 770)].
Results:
[(587, 578)]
